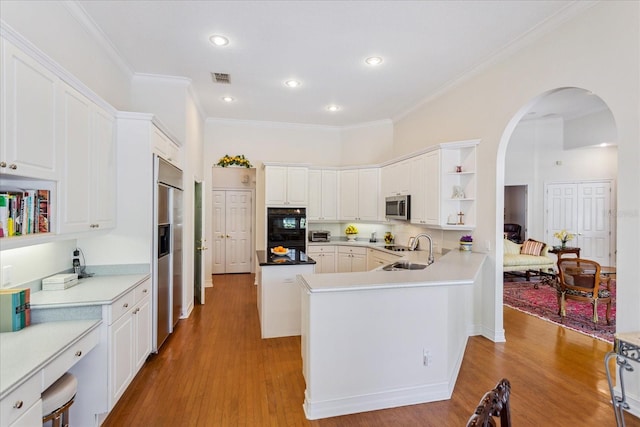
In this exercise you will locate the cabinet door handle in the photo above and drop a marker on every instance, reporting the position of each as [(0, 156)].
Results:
[(145, 290), (125, 305), (13, 166), (3, 164), (18, 404), (79, 353)]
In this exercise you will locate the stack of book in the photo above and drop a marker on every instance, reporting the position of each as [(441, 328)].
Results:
[(15, 309), (24, 212)]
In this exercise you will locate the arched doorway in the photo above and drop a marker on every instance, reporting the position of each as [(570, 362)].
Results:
[(564, 137)]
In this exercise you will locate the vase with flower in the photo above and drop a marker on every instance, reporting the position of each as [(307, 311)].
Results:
[(564, 236)]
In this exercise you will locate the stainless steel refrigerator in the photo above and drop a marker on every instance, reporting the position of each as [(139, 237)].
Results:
[(167, 268)]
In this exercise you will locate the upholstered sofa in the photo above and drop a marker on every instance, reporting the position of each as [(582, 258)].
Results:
[(515, 261)]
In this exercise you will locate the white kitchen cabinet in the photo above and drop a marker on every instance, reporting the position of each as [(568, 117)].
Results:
[(439, 192), (30, 417), (359, 194), (88, 184), (377, 258), (129, 338), (16, 407), (29, 92), (351, 259), (286, 185), (418, 173), (142, 324), (395, 179), (432, 195), (323, 195), (164, 147), (325, 258)]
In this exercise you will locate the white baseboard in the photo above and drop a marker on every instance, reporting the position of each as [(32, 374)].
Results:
[(375, 401)]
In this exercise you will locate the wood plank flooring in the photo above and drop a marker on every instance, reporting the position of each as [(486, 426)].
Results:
[(214, 370)]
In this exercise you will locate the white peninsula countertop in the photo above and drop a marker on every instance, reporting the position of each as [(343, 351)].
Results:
[(454, 268)]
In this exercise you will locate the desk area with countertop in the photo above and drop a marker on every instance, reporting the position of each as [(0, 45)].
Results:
[(98, 313), (33, 358)]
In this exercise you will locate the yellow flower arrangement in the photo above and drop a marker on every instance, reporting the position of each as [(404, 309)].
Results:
[(238, 160), (564, 236)]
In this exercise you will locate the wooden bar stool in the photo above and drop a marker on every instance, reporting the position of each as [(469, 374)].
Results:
[(57, 399)]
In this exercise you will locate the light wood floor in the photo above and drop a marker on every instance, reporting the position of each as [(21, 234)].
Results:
[(214, 370)]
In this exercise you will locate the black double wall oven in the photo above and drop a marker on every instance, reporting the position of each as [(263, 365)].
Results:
[(287, 227)]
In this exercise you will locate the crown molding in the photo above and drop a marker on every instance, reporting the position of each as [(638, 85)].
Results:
[(271, 124), (84, 19)]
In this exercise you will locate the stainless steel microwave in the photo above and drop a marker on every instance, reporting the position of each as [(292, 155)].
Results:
[(398, 207)]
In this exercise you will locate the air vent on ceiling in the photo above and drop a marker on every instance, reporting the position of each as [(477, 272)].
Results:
[(221, 78)]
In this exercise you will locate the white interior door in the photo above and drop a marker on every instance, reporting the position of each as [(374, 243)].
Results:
[(238, 232), (219, 232), (584, 209), (594, 217), (232, 233)]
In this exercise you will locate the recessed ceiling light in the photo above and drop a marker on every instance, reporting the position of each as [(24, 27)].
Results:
[(219, 40), (603, 144), (333, 108), (373, 60), (228, 99), (292, 83)]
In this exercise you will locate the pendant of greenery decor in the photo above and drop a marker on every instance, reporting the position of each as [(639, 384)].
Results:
[(239, 160)]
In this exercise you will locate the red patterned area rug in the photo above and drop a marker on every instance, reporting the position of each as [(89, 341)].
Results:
[(543, 303)]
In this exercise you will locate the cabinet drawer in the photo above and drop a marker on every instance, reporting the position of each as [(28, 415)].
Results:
[(322, 249), (121, 306), (68, 358), (350, 250), (18, 402), (142, 291)]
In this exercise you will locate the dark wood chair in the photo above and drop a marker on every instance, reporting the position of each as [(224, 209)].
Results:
[(495, 403), (579, 279)]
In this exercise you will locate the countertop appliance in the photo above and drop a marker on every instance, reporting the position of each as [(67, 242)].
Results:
[(398, 207), (167, 265), (319, 236), (287, 227)]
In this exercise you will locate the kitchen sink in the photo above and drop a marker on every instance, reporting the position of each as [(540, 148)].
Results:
[(404, 265)]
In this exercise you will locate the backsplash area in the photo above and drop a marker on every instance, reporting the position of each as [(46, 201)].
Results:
[(21, 266)]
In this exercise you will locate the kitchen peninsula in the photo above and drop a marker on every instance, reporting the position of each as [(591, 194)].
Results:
[(278, 292), (381, 339)]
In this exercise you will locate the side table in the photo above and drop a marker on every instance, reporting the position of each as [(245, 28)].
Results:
[(560, 251), (626, 350)]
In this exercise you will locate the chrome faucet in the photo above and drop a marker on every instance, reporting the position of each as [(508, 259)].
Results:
[(414, 245)]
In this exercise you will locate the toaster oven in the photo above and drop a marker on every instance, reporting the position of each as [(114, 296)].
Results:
[(319, 235)]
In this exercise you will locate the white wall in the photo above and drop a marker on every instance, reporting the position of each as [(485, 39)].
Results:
[(368, 143), (590, 130), (166, 98), (599, 51)]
